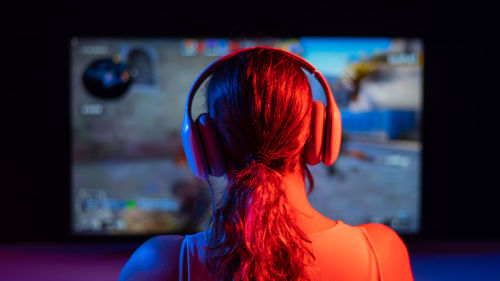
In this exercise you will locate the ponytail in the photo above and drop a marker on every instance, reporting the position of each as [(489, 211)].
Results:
[(254, 235)]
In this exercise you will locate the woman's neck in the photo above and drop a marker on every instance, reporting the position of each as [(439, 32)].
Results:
[(307, 217), (295, 191)]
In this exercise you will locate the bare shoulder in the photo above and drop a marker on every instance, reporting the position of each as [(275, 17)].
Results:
[(391, 251), (155, 259)]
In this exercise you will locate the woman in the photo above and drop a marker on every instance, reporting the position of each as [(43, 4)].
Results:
[(260, 103)]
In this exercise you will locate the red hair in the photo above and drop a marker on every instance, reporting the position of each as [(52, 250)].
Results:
[(261, 102)]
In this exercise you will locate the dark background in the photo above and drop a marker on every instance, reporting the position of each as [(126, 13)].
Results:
[(460, 143)]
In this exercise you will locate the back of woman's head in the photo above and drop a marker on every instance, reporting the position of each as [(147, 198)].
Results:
[(260, 101)]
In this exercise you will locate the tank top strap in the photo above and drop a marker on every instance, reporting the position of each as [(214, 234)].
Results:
[(374, 251), (182, 259)]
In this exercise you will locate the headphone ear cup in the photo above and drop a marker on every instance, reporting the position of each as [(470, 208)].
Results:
[(314, 147), (214, 154), (193, 147), (333, 137)]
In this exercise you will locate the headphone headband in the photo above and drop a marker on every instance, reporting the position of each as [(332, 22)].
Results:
[(303, 63)]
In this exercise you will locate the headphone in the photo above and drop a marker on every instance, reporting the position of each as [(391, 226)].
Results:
[(202, 147)]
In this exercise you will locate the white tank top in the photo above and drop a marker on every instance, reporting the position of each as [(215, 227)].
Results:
[(342, 252)]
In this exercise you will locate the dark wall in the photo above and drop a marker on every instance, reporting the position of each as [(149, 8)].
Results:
[(460, 145)]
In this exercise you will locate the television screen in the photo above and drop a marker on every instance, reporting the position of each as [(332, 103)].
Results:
[(129, 171)]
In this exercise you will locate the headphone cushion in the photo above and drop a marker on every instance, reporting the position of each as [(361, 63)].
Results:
[(315, 143), (212, 149)]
